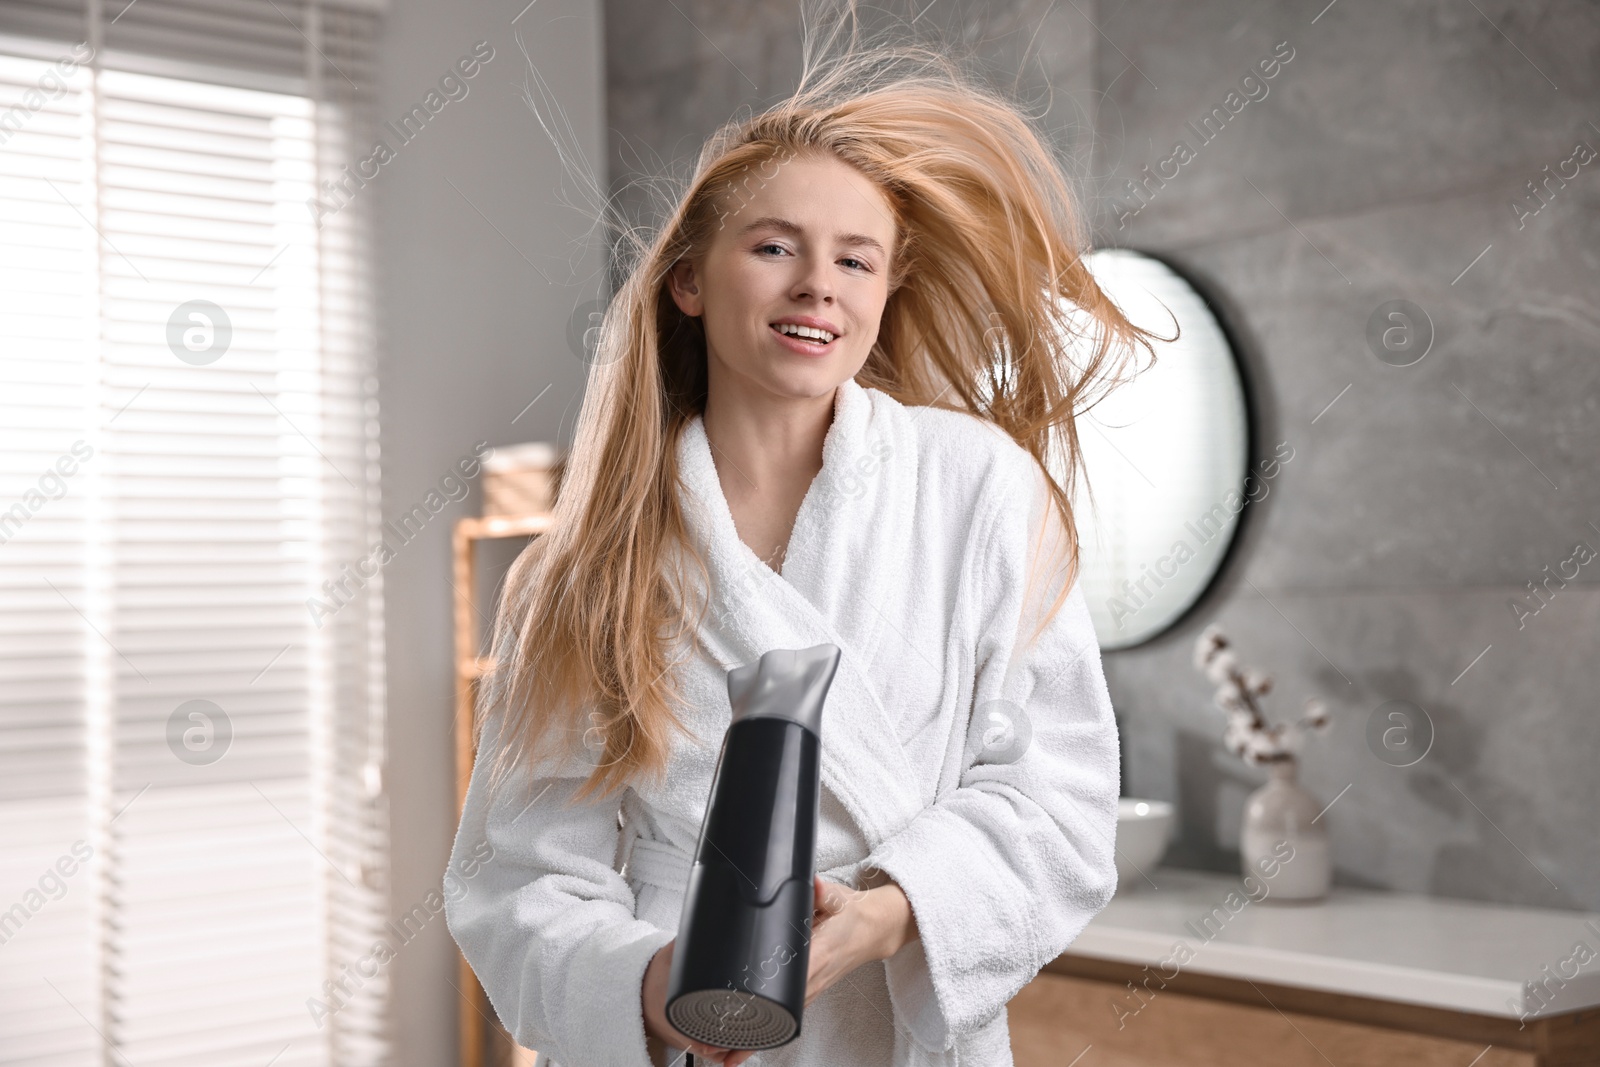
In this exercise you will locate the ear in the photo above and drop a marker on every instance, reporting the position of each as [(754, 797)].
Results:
[(684, 284)]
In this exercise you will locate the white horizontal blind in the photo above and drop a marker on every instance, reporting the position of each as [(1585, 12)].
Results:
[(49, 689), (178, 327)]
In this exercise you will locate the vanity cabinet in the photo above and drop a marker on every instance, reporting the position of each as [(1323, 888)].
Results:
[(1194, 973)]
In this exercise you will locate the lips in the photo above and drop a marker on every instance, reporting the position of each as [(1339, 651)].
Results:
[(808, 320)]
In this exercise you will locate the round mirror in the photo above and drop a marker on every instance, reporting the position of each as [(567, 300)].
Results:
[(1167, 455)]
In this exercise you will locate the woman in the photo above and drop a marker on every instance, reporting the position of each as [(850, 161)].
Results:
[(820, 411)]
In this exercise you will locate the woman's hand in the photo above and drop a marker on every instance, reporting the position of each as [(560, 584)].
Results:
[(655, 1014), (851, 927)]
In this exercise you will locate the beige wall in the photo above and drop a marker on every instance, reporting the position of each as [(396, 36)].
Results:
[(470, 333)]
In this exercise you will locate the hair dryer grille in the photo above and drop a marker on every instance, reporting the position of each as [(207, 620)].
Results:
[(728, 1018)]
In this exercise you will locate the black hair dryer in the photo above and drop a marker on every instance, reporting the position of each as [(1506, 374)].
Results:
[(738, 977)]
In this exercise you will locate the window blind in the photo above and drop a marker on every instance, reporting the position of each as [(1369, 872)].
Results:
[(193, 848)]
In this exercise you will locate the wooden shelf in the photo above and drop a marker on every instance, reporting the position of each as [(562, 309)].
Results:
[(470, 668), (475, 667), (502, 526)]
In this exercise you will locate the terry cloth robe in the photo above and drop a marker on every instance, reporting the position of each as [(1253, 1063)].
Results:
[(979, 772)]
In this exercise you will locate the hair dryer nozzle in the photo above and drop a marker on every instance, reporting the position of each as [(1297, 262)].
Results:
[(784, 684)]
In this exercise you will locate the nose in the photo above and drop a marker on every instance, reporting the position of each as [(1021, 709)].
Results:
[(815, 281)]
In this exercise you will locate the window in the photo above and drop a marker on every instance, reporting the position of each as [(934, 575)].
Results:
[(193, 843)]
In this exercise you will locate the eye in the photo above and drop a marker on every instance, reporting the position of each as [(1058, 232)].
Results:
[(864, 264), (769, 244)]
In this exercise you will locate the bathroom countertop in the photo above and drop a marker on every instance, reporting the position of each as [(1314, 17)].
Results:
[(1487, 959)]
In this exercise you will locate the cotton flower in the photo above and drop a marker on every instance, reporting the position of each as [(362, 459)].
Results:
[(1222, 666), (1206, 645), (1259, 748)]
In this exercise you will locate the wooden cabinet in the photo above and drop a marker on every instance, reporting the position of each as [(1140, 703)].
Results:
[(1166, 976), (1079, 1008)]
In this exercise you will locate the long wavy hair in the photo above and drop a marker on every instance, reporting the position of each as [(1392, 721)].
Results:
[(991, 311)]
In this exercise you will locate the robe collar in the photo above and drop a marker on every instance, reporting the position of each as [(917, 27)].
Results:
[(854, 523)]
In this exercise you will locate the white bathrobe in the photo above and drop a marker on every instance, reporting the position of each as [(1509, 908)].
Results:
[(978, 772)]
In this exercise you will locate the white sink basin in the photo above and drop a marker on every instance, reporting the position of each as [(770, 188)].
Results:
[(1144, 827)]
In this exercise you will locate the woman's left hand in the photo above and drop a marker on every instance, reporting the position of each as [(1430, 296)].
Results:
[(850, 927)]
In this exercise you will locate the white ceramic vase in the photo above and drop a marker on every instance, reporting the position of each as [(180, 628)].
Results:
[(1279, 845)]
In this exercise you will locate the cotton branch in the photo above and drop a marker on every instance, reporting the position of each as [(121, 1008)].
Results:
[(1239, 689)]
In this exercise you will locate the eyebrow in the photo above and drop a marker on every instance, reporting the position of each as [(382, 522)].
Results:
[(773, 222)]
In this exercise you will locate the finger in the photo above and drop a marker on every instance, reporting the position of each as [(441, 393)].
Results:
[(829, 901), (816, 982), (701, 1050)]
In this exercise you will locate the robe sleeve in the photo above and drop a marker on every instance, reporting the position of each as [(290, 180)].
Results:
[(1005, 868), (546, 922)]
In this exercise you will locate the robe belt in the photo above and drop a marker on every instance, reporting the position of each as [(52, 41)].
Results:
[(659, 863)]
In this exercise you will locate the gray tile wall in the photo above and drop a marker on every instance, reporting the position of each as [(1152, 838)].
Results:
[(1386, 160)]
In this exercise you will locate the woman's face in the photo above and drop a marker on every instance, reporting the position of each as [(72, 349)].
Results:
[(803, 240)]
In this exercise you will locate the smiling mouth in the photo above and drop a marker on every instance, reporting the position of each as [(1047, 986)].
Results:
[(811, 342)]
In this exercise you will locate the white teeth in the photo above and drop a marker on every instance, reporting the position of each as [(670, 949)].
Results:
[(810, 333)]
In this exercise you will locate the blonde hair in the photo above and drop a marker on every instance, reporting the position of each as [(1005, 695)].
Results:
[(989, 243)]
